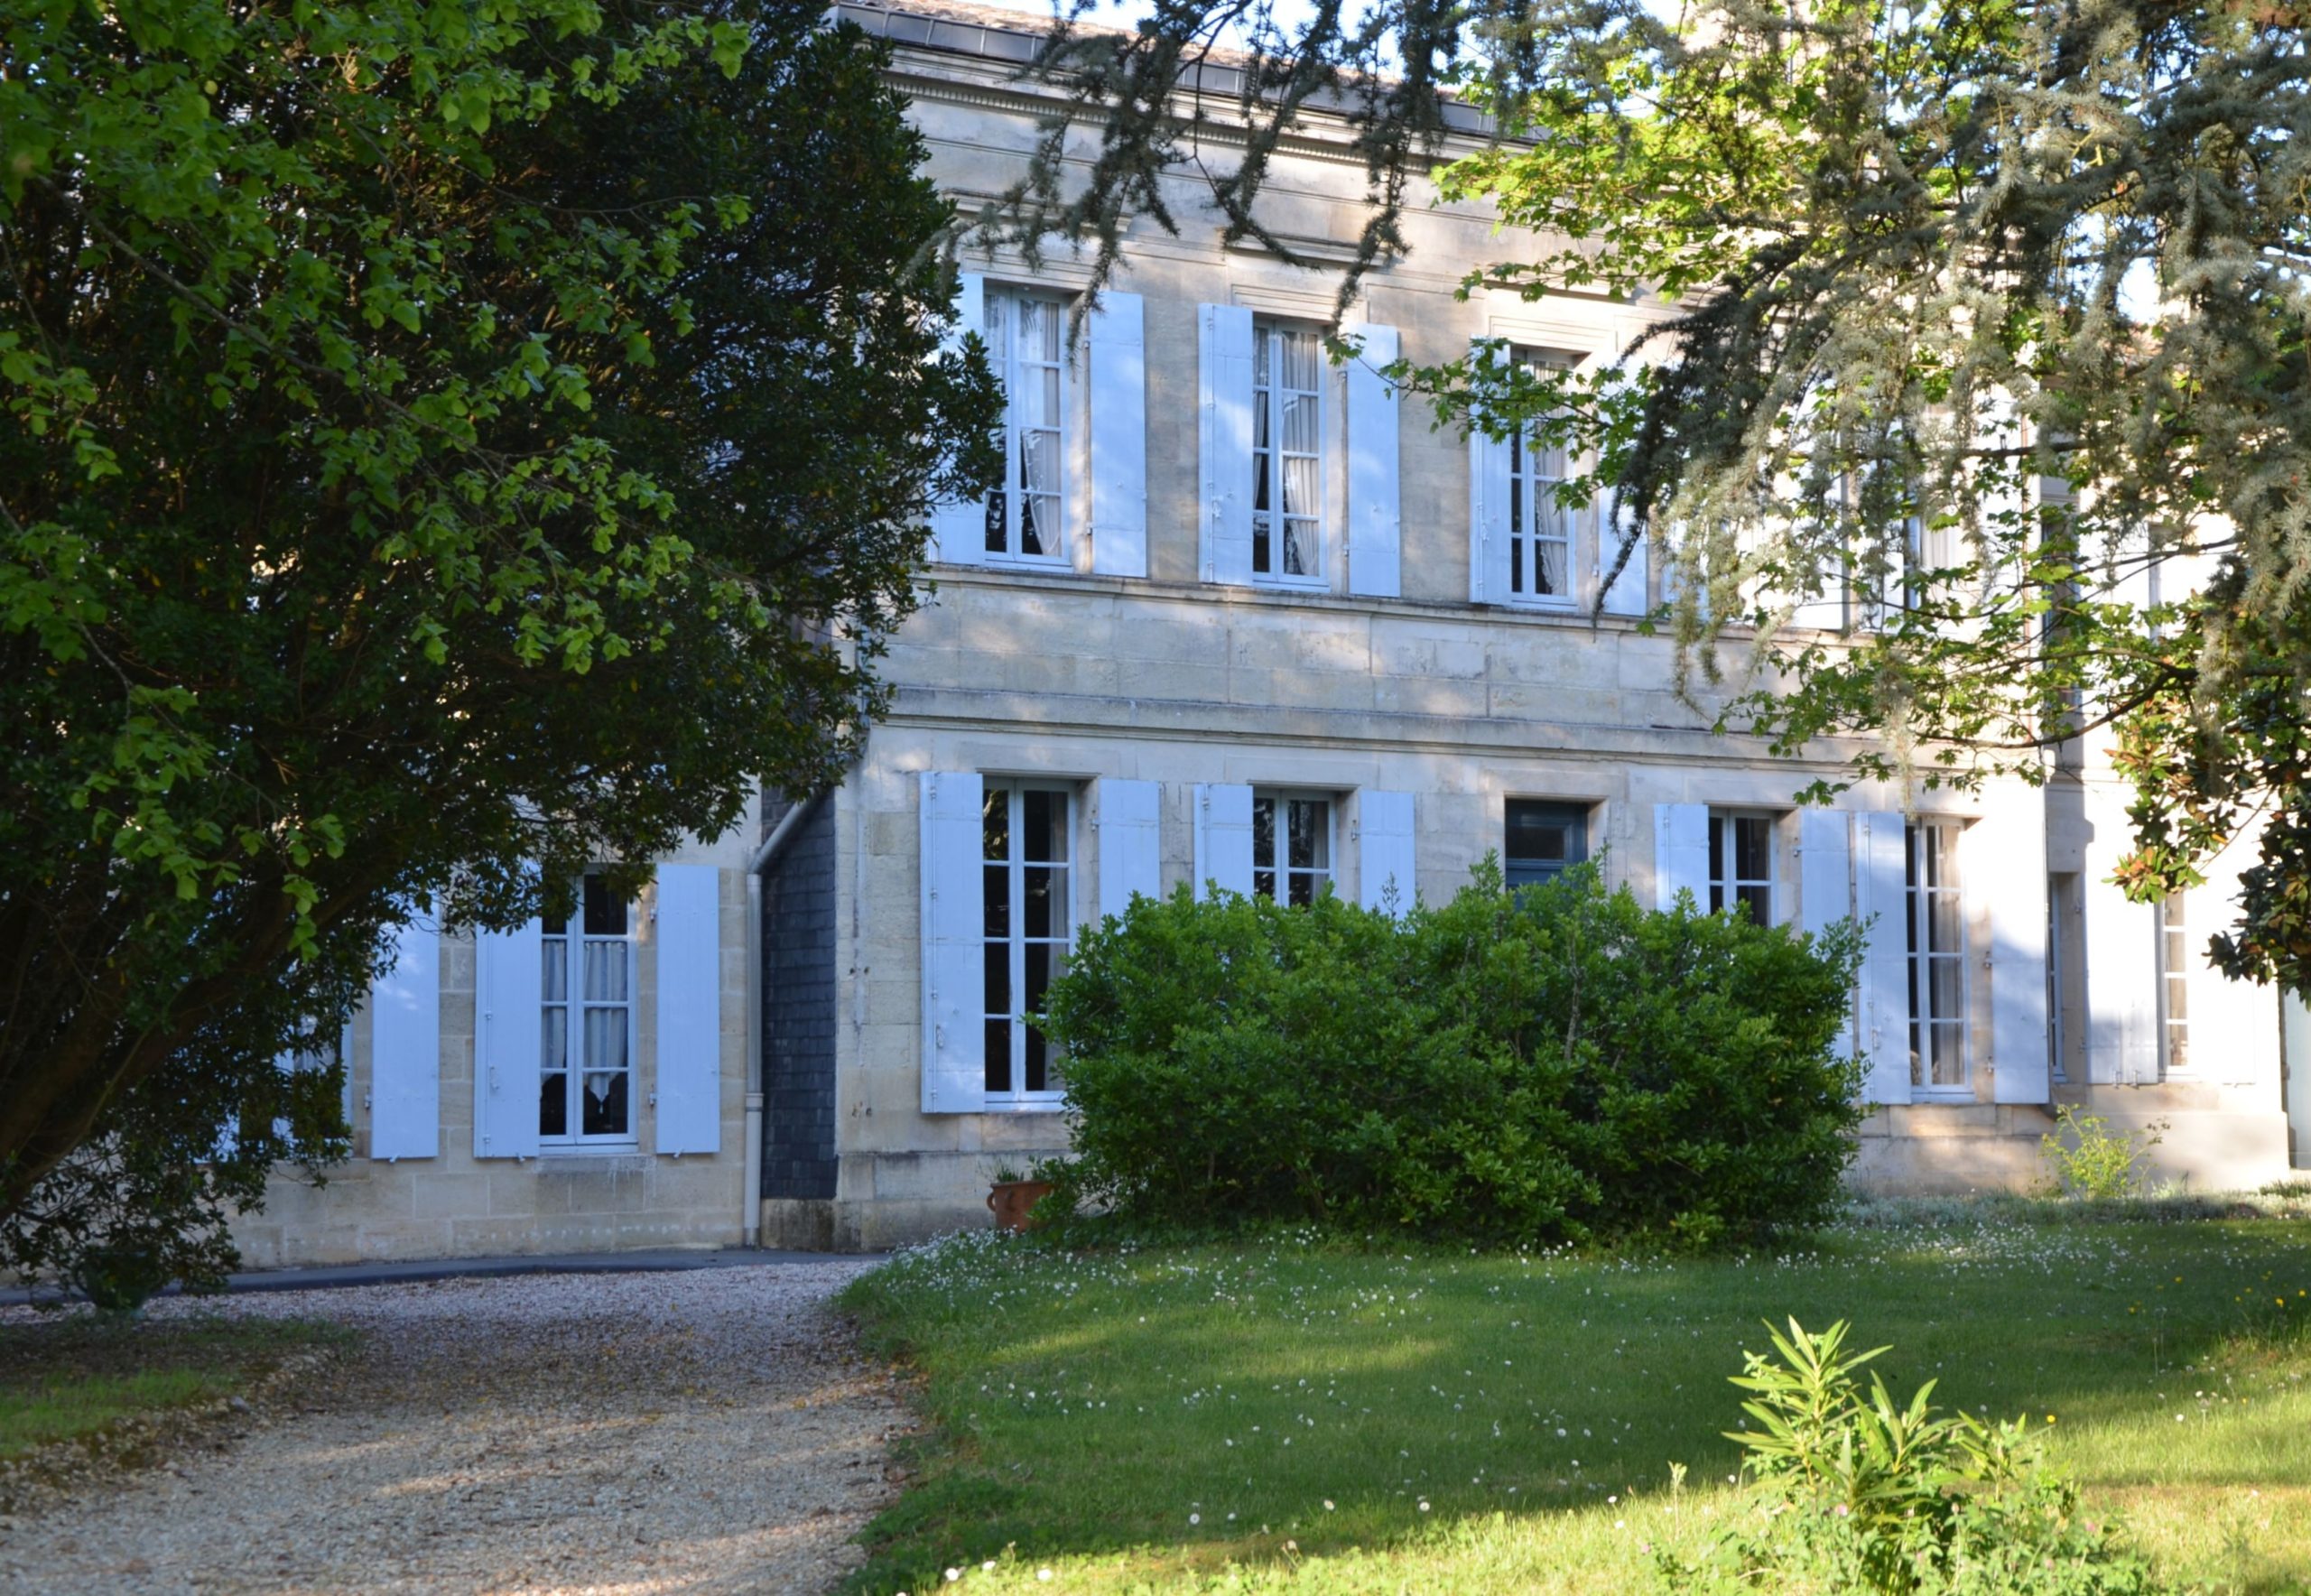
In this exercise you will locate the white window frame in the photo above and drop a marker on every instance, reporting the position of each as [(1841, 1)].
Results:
[(1922, 955), (1004, 333), (1320, 877), (1725, 879), (2173, 919), (1530, 491), (572, 1004), (1268, 406), (1013, 1096)]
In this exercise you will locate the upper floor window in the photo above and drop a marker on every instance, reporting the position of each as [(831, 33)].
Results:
[(1937, 959), (1025, 342), (1741, 864), (2175, 982), (1540, 528), (1543, 840), (1292, 846), (1287, 454), (1027, 896), (586, 1071)]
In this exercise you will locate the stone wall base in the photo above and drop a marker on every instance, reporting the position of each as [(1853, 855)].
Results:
[(1934, 1149)]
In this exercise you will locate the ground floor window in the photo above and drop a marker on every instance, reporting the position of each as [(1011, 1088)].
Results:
[(1542, 839), (585, 1073), (1741, 864), (2174, 982), (1026, 866), (1292, 846), (1937, 959)]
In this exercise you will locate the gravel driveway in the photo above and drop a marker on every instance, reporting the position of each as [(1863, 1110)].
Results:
[(708, 1430)]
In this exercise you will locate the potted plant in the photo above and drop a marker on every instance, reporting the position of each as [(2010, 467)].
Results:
[(1013, 1196)]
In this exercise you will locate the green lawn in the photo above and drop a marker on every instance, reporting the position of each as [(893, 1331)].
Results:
[(70, 1377), (1293, 1416)]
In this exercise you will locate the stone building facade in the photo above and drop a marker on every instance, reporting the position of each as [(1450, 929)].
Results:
[(1138, 667)]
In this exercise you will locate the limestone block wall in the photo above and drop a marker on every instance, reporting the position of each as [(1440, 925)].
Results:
[(455, 1205)]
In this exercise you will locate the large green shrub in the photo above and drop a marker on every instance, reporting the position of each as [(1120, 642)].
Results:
[(1555, 1062)]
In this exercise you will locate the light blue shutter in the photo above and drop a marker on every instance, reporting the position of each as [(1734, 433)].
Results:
[(1224, 442), (1131, 858), (1117, 359), (1374, 516), (1881, 888), (2006, 866), (1680, 854), (508, 1040), (954, 933), (959, 526), (1385, 851), (2121, 987), (1628, 594), (690, 1008), (1223, 840), (1826, 878), (406, 1047), (2234, 1025)]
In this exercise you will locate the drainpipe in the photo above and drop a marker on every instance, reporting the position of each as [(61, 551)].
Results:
[(750, 1208)]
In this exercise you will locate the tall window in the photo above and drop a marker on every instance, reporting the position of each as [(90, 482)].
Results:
[(585, 1075), (1292, 846), (1543, 838), (1287, 454), (1540, 529), (1937, 959), (2173, 982), (1025, 864), (1741, 864), (1024, 341)]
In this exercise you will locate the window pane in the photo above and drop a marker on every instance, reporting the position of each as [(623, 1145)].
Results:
[(556, 1051), (1039, 958), (994, 887), (998, 1056), (1302, 890), (553, 1104), (605, 1039), (554, 968), (1038, 899), (998, 521), (1949, 1054), (604, 973), (1553, 834), (1300, 541), (601, 1103), (1306, 826), (2178, 1001), (1038, 1072), (995, 824), (1046, 826), (1263, 833), (1717, 848), (1753, 848), (2178, 1049), (1949, 988), (1263, 884), (1942, 921), (998, 979), (605, 915), (1759, 897)]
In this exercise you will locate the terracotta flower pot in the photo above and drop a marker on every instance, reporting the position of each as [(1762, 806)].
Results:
[(1009, 1202)]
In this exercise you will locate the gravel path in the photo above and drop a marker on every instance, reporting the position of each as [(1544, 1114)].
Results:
[(691, 1433)]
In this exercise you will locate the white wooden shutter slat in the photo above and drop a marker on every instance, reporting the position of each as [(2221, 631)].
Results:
[(509, 1041), (2006, 866), (959, 526), (1130, 850), (1116, 338), (689, 931), (2120, 955), (1223, 840), (1880, 889), (1224, 426), (1375, 518), (406, 1047), (1384, 830), (954, 932), (1680, 854)]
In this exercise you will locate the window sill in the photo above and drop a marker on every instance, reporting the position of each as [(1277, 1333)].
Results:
[(1013, 1110)]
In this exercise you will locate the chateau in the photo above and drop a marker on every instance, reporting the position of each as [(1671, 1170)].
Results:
[(1239, 615)]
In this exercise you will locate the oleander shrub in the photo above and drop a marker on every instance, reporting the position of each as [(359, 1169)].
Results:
[(1858, 1494), (1551, 1063)]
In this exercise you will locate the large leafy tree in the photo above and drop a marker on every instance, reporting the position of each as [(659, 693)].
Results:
[(1989, 343), (444, 445)]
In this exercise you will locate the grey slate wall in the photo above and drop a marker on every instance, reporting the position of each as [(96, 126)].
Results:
[(798, 944)]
